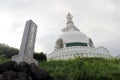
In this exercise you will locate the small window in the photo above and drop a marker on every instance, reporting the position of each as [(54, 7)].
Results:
[(76, 44)]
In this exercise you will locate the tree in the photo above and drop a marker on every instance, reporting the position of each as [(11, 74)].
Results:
[(40, 56), (7, 51)]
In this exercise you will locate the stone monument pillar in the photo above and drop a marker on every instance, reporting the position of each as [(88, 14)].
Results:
[(27, 46)]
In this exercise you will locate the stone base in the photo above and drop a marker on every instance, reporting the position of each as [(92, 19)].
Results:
[(24, 58), (23, 71)]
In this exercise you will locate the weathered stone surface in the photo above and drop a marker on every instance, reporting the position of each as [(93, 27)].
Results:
[(22, 71), (27, 45), (8, 66), (0, 77), (37, 73), (23, 67), (10, 75)]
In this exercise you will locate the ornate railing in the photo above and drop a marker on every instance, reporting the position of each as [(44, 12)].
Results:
[(71, 52)]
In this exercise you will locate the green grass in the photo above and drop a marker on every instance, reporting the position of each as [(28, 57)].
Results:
[(81, 68), (3, 59), (84, 69)]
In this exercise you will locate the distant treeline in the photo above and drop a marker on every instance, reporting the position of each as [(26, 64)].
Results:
[(8, 52)]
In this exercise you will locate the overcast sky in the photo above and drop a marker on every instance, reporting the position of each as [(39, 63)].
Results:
[(98, 19)]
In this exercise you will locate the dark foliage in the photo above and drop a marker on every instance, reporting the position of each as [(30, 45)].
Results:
[(8, 51), (40, 56)]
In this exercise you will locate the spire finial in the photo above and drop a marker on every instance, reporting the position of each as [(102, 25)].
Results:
[(69, 18)]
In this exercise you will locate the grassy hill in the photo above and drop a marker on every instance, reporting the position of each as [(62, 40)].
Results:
[(84, 69), (81, 69)]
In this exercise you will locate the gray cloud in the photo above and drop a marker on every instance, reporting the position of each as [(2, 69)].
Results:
[(99, 19)]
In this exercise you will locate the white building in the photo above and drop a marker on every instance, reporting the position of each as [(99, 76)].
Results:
[(73, 43)]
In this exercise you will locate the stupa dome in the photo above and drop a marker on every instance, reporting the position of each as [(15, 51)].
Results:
[(74, 36)]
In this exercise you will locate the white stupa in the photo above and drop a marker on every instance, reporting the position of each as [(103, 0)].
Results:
[(73, 43)]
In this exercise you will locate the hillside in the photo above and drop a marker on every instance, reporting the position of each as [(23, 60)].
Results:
[(81, 69), (84, 69)]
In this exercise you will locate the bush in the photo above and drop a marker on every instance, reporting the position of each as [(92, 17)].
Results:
[(84, 69), (40, 56)]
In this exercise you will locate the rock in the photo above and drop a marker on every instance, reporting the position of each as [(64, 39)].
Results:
[(37, 73), (10, 75), (23, 67), (8, 66), (22, 71), (0, 77)]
